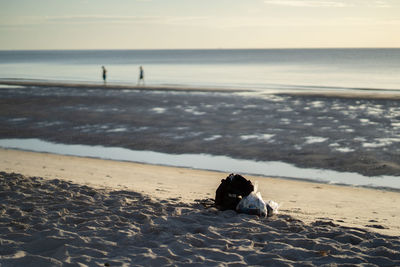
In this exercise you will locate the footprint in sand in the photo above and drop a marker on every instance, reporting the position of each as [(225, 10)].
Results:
[(377, 226)]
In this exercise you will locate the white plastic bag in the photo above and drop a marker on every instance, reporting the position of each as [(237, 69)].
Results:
[(272, 207), (252, 204)]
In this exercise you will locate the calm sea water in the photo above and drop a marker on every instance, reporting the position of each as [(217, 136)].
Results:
[(265, 69)]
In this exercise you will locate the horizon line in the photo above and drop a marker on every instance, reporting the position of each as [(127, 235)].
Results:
[(220, 48)]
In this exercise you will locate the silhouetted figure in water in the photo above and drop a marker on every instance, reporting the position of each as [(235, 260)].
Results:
[(141, 75), (104, 74)]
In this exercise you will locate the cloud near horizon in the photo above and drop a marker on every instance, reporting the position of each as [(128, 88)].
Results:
[(206, 21), (328, 3), (306, 3), (94, 19)]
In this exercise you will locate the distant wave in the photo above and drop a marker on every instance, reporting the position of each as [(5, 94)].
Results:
[(274, 88)]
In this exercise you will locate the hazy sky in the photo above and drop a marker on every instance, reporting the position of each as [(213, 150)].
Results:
[(151, 24)]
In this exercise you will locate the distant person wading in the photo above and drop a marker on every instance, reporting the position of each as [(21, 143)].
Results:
[(104, 74), (141, 75)]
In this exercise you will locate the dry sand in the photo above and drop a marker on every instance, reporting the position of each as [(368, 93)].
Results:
[(69, 211)]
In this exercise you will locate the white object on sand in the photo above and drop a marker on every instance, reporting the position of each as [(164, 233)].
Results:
[(274, 207)]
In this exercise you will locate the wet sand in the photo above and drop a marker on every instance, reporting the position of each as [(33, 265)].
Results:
[(348, 133), (111, 86)]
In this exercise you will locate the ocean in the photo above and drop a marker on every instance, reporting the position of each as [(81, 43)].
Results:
[(260, 69), (332, 140)]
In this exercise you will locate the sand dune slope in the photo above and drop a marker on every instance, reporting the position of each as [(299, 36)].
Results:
[(58, 223)]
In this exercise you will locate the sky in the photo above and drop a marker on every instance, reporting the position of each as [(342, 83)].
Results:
[(198, 24)]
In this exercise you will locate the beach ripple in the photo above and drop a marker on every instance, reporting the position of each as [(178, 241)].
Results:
[(58, 223)]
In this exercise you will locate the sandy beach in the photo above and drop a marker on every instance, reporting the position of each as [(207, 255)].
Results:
[(145, 133), (59, 210), (64, 211)]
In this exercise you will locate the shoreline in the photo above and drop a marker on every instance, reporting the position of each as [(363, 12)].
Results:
[(114, 86), (306, 201), (357, 93), (278, 170), (308, 91)]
